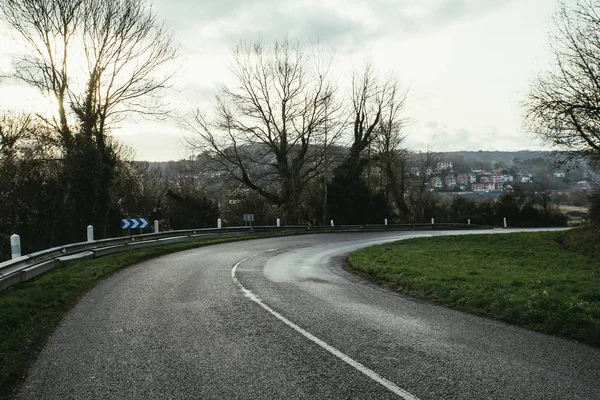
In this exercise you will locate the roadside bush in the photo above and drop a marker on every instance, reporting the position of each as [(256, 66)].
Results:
[(191, 210), (584, 240), (517, 208)]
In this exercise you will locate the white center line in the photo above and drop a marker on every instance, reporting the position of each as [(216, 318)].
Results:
[(353, 363)]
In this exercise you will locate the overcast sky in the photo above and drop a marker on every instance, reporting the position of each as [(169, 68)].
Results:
[(466, 63)]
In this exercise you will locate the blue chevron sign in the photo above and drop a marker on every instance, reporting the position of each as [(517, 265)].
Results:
[(134, 223)]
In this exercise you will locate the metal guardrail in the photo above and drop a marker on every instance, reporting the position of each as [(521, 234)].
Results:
[(32, 265)]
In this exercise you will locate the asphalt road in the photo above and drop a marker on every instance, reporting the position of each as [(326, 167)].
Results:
[(281, 319)]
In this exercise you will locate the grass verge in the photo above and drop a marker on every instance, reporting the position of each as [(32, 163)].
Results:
[(31, 311), (584, 241), (527, 279)]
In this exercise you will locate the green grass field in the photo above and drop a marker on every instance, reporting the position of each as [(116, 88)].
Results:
[(528, 279)]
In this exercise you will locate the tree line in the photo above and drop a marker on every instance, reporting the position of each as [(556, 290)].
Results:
[(288, 138)]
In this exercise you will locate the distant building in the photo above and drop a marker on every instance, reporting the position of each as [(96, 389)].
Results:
[(584, 185), (465, 179), (486, 187), (496, 178), (444, 165), (507, 178), (436, 182), (450, 181), (479, 187)]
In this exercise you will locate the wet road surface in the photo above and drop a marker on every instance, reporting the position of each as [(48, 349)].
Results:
[(281, 319)]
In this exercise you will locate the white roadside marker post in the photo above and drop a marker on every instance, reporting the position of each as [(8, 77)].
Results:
[(90, 233), (15, 246)]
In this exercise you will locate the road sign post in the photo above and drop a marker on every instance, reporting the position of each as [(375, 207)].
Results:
[(248, 218), (134, 223)]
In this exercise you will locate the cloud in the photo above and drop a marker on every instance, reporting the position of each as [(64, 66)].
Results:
[(345, 26), (441, 137)]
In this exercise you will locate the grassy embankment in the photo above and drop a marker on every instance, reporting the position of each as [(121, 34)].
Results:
[(31, 311), (533, 279)]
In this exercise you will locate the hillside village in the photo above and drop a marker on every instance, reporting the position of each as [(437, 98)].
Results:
[(444, 178), (484, 177)]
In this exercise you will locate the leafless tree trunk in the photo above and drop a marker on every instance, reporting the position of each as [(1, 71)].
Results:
[(420, 195), (123, 47), (48, 28), (563, 104), (374, 103), (391, 156), (272, 131)]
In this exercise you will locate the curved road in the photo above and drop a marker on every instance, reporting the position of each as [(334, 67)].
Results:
[(281, 319)]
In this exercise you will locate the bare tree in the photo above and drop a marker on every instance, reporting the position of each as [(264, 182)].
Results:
[(392, 157), (420, 197), (14, 128), (375, 105), (272, 131), (563, 103), (23, 137), (375, 108), (48, 28), (98, 60), (120, 45)]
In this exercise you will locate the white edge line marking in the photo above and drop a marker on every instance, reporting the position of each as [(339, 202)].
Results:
[(355, 364)]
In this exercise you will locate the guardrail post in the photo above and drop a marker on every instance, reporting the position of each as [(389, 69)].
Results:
[(432, 221), (332, 223), (156, 226), (505, 222), (15, 246), (219, 223), (385, 221), (469, 221), (278, 222), (90, 233)]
